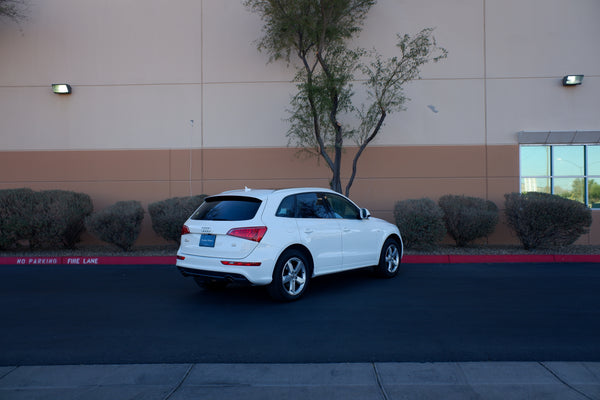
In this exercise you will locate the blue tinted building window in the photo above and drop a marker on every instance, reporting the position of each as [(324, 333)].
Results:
[(570, 171)]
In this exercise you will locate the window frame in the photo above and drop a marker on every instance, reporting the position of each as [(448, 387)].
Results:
[(552, 177)]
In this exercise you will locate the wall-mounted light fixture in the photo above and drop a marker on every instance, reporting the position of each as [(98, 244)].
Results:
[(572, 80), (61, 88)]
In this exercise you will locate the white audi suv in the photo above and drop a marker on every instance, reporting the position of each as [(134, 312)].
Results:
[(283, 238)]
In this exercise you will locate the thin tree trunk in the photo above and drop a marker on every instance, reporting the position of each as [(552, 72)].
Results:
[(362, 148)]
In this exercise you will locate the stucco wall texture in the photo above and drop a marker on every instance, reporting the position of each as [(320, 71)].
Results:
[(171, 97)]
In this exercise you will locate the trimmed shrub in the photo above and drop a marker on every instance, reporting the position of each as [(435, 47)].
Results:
[(546, 220), (168, 216), (420, 222), (119, 224), (468, 218), (59, 218), (16, 214)]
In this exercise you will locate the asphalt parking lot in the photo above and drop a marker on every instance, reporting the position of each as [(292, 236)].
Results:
[(462, 331), (429, 313)]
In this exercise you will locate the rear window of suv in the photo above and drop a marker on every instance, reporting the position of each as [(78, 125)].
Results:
[(227, 208)]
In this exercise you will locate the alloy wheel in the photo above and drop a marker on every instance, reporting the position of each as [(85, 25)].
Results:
[(294, 276), (392, 258)]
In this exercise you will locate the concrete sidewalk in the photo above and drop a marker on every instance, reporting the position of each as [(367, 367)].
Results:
[(387, 381)]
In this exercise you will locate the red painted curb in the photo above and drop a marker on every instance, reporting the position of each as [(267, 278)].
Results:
[(102, 260), (425, 259), (502, 258), (575, 258), (407, 259)]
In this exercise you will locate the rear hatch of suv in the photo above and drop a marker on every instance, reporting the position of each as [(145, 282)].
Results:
[(224, 227)]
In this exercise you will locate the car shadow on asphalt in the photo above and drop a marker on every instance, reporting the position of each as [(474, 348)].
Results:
[(339, 284)]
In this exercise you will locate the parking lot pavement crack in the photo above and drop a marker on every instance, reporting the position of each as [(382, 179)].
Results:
[(8, 372), (567, 384), (379, 383), (176, 388), (591, 371)]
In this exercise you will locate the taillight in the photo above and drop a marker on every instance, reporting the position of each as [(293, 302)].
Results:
[(254, 233), (185, 230), (241, 264)]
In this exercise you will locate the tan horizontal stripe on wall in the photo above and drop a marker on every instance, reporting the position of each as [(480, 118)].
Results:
[(385, 174)]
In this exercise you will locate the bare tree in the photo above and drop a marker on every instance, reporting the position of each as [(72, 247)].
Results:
[(317, 34)]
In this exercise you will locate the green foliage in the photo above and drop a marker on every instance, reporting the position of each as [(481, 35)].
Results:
[(468, 218), (320, 93), (59, 218), (52, 218), (577, 190), (119, 224), (593, 192), (386, 78), (13, 9), (291, 25), (169, 215), (420, 222), (16, 215), (323, 113), (546, 220)]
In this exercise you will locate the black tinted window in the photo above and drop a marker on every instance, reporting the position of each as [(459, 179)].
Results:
[(287, 208), (342, 208), (227, 208), (311, 205)]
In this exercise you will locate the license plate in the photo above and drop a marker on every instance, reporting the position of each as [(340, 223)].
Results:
[(207, 240)]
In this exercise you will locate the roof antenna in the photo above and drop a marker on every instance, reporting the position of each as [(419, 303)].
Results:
[(247, 189)]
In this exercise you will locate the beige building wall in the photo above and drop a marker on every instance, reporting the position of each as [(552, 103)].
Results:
[(171, 97)]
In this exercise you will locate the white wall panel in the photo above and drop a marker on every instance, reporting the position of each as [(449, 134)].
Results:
[(542, 38), (256, 113), (246, 115), (104, 42), (230, 53), (100, 117), (540, 105), (233, 57), (458, 28), (435, 117), (140, 70)]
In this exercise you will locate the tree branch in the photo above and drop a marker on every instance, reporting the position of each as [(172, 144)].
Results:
[(315, 113), (361, 148)]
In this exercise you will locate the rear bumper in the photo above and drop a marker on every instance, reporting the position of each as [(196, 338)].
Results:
[(212, 268), (214, 275)]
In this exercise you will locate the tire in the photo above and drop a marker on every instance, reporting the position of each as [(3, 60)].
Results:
[(210, 284), (290, 276), (390, 258)]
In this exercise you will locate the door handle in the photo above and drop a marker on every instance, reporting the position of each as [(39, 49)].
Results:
[(308, 231)]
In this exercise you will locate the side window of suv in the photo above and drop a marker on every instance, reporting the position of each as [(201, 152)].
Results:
[(287, 208), (311, 205), (342, 208)]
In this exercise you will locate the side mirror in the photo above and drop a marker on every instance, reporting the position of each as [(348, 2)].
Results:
[(364, 213)]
